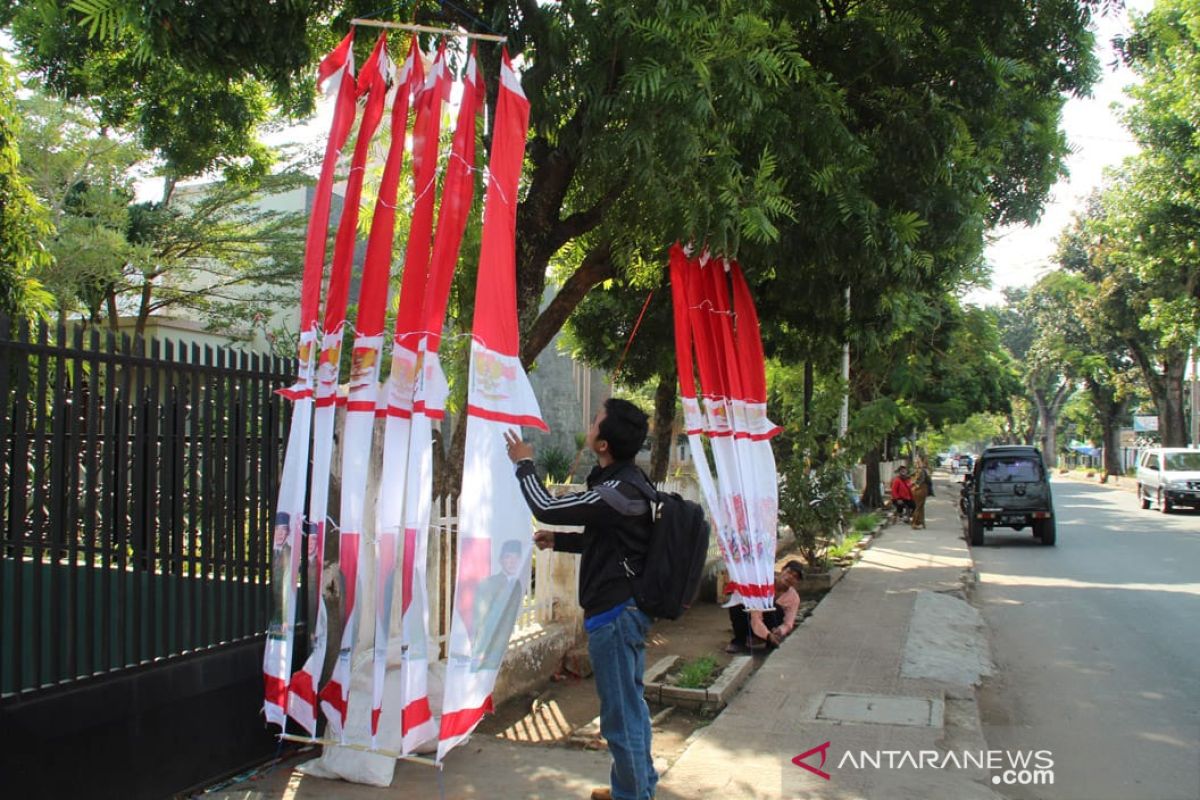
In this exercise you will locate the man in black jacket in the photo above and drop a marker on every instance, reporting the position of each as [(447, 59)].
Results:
[(615, 514)]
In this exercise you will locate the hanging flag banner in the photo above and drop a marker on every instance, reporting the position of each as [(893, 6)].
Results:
[(458, 190), (402, 380), (338, 69), (494, 522), (302, 696), (733, 418), (373, 85), (367, 351)]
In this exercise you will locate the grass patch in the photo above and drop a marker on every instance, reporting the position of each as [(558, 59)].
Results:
[(844, 549), (697, 674), (864, 523)]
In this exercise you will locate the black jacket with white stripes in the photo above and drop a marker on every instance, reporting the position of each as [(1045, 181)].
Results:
[(615, 516)]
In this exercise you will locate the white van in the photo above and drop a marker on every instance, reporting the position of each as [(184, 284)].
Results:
[(1169, 476)]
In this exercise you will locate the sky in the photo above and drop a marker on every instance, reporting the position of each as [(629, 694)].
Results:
[(1019, 255)]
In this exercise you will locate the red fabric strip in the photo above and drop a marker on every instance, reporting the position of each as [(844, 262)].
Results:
[(372, 294), (751, 590), (460, 723), (292, 394), (415, 714), (302, 687), (683, 326), (458, 191), (495, 321), (374, 85), (426, 131), (318, 221), (275, 691), (361, 405), (500, 416), (332, 695), (749, 340)]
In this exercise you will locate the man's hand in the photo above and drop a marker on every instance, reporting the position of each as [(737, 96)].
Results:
[(543, 539), (775, 638), (518, 450)]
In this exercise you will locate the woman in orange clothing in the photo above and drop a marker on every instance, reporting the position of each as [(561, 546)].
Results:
[(920, 490)]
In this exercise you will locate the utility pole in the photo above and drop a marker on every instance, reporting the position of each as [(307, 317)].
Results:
[(1195, 396), (844, 414)]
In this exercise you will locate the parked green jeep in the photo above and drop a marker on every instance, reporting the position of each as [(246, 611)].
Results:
[(1009, 488)]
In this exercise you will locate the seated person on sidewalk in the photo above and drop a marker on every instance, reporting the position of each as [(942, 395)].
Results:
[(902, 499), (756, 630)]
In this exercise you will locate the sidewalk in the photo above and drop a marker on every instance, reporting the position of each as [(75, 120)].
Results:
[(884, 630)]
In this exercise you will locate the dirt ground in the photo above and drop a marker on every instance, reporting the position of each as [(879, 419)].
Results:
[(561, 713)]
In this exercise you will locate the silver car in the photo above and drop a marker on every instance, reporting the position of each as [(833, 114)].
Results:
[(1170, 477)]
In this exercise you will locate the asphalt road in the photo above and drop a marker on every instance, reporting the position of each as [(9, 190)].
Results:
[(1097, 648)]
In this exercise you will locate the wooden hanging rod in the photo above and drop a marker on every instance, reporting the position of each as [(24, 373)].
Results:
[(404, 26)]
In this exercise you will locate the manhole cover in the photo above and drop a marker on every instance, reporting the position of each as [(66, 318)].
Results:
[(879, 709)]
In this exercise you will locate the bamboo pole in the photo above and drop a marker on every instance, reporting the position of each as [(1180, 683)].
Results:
[(405, 26)]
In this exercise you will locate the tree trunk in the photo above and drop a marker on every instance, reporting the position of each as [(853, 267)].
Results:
[(1166, 388), (452, 466), (1112, 447), (1110, 410), (664, 428), (113, 320), (1172, 424), (871, 496), (1048, 412)]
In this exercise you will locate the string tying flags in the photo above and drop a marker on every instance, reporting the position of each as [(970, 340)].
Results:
[(632, 335)]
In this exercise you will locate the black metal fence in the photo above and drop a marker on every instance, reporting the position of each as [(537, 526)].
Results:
[(137, 482)]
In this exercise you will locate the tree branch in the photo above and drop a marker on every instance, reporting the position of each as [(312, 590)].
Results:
[(596, 267)]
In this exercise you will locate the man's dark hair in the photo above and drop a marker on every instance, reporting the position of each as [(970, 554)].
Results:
[(796, 567), (624, 427)]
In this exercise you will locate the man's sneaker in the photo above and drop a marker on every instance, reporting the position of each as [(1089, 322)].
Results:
[(602, 793)]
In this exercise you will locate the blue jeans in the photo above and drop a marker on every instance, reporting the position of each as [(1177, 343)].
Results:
[(618, 653)]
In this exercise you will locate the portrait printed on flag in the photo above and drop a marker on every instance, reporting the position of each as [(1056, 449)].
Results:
[(497, 604), (281, 574)]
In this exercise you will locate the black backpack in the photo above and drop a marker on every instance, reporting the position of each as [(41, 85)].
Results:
[(669, 580)]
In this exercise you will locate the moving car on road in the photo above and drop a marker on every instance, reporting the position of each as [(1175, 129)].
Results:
[(1009, 488), (1170, 477)]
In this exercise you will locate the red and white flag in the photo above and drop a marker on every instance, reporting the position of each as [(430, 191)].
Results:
[(731, 412), (398, 401), (458, 189), (302, 698), (494, 523), (288, 525)]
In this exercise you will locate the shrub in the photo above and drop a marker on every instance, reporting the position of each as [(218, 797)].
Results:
[(864, 523), (837, 551), (812, 502), (555, 464)]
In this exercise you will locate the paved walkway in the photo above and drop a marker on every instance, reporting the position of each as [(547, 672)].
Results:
[(894, 617)]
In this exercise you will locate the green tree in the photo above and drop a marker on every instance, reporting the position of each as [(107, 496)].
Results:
[(1145, 245), (216, 250), (1107, 367), (84, 175), (23, 222)]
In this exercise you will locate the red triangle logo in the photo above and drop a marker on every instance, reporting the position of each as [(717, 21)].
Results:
[(799, 760)]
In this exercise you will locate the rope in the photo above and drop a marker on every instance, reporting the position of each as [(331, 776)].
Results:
[(632, 334)]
